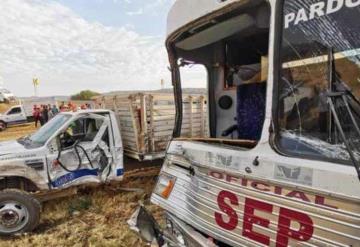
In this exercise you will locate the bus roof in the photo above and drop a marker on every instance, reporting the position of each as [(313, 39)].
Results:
[(184, 12)]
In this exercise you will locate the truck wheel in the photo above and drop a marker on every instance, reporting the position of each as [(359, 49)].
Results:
[(19, 212), (2, 125)]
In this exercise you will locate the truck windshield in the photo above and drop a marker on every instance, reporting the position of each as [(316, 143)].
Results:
[(40, 137), (318, 86)]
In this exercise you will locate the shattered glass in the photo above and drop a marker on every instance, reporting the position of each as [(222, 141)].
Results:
[(309, 144), (307, 127)]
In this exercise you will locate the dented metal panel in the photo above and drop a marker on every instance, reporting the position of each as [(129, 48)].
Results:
[(99, 160), (249, 209)]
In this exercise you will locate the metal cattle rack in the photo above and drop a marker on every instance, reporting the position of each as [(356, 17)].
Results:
[(147, 120)]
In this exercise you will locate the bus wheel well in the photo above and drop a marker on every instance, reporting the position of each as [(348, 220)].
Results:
[(18, 183)]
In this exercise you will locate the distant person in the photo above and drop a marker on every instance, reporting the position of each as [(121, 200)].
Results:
[(45, 114), (62, 106), (50, 113), (49, 107), (36, 115), (72, 107), (41, 113), (54, 110)]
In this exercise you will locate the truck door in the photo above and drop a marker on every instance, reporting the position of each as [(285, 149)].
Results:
[(82, 154), (15, 116)]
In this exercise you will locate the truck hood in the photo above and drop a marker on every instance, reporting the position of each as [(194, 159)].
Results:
[(11, 147)]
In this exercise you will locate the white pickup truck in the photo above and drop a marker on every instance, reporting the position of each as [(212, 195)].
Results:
[(73, 148), (13, 116)]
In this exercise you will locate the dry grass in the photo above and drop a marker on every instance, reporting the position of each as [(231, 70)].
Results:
[(3, 107), (12, 133), (94, 217)]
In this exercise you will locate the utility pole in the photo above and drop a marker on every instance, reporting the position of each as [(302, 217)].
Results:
[(36, 85)]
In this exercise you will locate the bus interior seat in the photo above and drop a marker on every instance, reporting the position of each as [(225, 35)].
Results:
[(250, 105)]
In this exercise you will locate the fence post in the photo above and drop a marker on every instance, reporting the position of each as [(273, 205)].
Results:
[(143, 116), (115, 105), (135, 123), (151, 134), (103, 102), (202, 120), (191, 115)]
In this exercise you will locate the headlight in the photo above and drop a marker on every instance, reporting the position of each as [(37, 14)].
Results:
[(165, 185)]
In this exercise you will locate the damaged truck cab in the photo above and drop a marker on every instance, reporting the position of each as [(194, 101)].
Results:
[(280, 164), (73, 148)]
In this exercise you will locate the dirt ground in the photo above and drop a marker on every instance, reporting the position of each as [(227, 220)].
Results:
[(95, 216), (12, 133)]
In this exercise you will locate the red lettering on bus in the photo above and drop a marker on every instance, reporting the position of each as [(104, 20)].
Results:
[(233, 218), (275, 189), (285, 232), (230, 178), (217, 175), (250, 219), (320, 200), (262, 187), (227, 200), (299, 195)]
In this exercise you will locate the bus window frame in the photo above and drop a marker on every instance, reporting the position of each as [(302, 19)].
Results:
[(275, 130)]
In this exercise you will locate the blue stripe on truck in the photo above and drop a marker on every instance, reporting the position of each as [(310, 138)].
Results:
[(119, 172), (70, 177)]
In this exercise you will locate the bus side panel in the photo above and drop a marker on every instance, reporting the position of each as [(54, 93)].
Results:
[(243, 212)]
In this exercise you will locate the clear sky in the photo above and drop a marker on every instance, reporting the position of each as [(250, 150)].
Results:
[(71, 45)]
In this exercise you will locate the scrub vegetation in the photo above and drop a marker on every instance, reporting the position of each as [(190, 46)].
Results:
[(96, 216), (3, 107), (84, 95)]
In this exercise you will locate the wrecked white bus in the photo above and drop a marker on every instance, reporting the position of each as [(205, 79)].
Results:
[(280, 166)]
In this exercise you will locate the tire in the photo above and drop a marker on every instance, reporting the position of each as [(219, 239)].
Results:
[(3, 125), (19, 212)]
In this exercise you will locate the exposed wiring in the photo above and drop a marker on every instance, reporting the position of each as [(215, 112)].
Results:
[(76, 146)]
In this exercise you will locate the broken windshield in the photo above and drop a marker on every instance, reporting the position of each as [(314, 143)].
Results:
[(307, 123), (40, 137)]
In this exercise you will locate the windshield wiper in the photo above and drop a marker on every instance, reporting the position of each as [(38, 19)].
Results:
[(339, 91)]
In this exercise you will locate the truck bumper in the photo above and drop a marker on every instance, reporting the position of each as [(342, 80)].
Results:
[(176, 234)]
